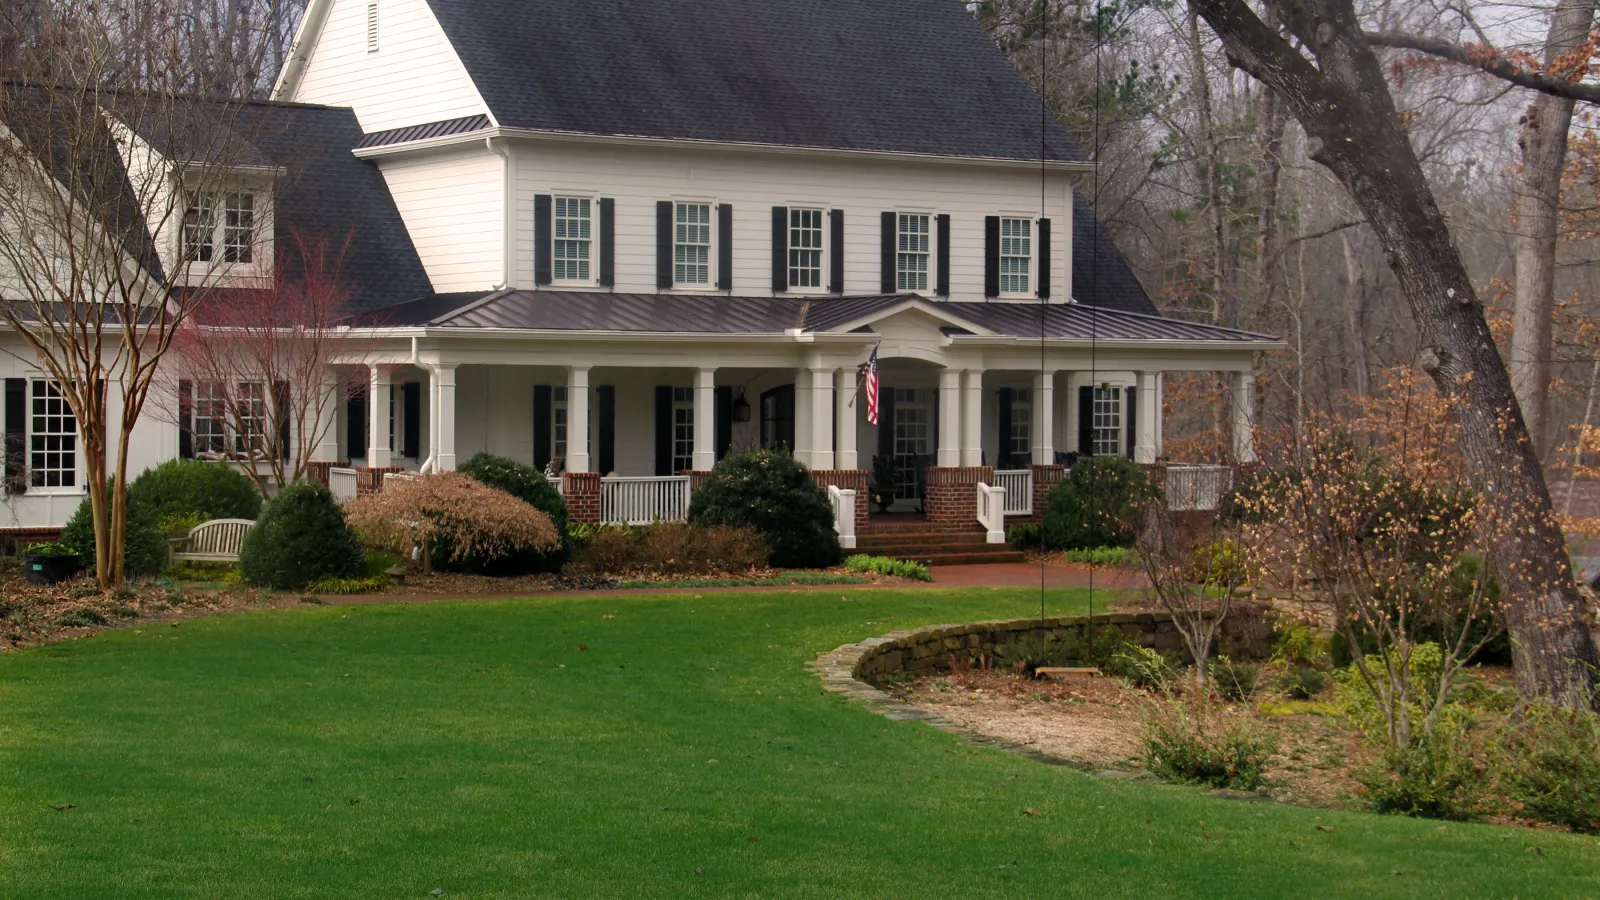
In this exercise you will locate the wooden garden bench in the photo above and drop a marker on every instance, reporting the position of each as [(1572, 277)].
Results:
[(215, 541)]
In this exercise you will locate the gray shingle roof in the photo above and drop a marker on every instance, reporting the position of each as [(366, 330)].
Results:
[(916, 76), (694, 314), (1101, 275)]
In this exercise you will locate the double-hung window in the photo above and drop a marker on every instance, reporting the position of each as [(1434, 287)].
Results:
[(199, 228), (682, 429), (251, 439), (691, 247), (912, 252), (1107, 421), (573, 240), (1016, 255), (805, 249), (210, 417), (220, 226), (52, 439)]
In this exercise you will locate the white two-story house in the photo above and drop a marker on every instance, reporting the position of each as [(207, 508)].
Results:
[(624, 237)]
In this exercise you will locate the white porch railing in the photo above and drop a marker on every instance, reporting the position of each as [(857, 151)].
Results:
[(1197, 487), (641, 501), (343, 484), (389, 477), (1018, 485), (843, 501), (992, 512)]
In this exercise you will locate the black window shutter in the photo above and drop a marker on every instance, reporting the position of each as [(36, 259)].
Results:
[(355, 426), (886, 263), (724, 419), (664, 244), (16, 431), (1133, 418), (780, 249), (541, 425), (411, 435), (836, 251), (1086, 421), (542, 247), (607, 428), (663, 429), (1044, 258), (886, 421), (281, 408), (725, 247), (991, 256), (185, 418), (941, 278), (608, 242), (1002, 455)]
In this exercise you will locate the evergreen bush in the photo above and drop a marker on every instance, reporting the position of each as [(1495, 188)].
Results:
[(1099, 503), (531, 487), (190, 491), (770, 491), (144, 542), (299, 538)]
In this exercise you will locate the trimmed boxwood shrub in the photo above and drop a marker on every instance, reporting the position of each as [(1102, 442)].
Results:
[(144, 543), (1097, 504), (300, 537), (531, 487), (770, 491), (190, 491)]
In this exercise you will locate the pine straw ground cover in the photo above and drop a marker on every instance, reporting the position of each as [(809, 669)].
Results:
[(639, 746)]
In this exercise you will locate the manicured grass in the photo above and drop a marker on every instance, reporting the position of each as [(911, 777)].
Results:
[(385, 751), (796, 577)]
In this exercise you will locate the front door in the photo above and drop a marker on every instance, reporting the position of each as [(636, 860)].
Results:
[(913, 445)]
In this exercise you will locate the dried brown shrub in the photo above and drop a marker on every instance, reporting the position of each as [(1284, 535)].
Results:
[(672, 549), (450, 510)]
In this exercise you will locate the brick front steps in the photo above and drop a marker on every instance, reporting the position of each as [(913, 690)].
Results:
[(934, 545)]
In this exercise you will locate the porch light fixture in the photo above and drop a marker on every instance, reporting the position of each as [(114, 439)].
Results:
[(741, 408)]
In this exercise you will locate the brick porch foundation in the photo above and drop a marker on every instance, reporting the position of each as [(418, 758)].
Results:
[(953, 493), (1045, 479), (581, 490), (370, 480)]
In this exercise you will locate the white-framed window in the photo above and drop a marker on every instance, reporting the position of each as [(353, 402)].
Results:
[(210, 425), (912, 254), (805, 249), (200, 227), (239, 227), (691, 244), (1107, 422), (1016, 255), (52, 438), (558, 423), (1019, 443), (251, 438), (221, 226), (573, 239), (682, 428)]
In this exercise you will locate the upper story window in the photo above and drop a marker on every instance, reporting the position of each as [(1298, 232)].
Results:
[(691, 247), (1107, 421), (912, 256), (223, 229), (52, 438), (1016, 255), (573, 239), (805, 249)]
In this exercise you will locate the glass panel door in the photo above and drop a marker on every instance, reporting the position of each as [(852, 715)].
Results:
[(913, 440)]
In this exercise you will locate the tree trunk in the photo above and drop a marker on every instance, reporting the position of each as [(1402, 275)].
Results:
[(1355, 316), (1209, 162), (1544, 156), (1353, 129)]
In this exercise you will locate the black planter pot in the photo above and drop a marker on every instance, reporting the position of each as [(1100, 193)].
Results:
[(41, 569)]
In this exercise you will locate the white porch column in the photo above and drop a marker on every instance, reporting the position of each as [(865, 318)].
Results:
[(972, 417), (326, 448), (705, 419), (1244, 414), (1044, 418), (1147, 430), (949, 418), (445, 394), (378, 417), (844, 417), (822, 414), (578, 419), (802, 416)]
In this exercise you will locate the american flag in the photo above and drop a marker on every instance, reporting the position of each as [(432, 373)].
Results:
[(869, 375)]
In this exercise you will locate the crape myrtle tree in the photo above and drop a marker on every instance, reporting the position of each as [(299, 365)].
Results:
[(256, 372), (96, 167), (1324, 68)]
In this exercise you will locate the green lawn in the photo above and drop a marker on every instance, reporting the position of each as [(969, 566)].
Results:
[(386, 751)]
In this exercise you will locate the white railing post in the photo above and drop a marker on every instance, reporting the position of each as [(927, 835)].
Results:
[(1196, 487), (343, 484), (843, 501), (992, 512), (1018, 485)]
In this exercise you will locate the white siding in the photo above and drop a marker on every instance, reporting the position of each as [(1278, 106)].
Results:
[(451, 202), (414, 78), (754, 182)]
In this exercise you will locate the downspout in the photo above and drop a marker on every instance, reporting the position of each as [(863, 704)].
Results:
[(508, 223)]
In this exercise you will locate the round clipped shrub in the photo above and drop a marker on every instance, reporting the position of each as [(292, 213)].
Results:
[(531, 487), (183, 492), (300, 537), (459, 522), (144, 543), (770, 491), (1098, 503)]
